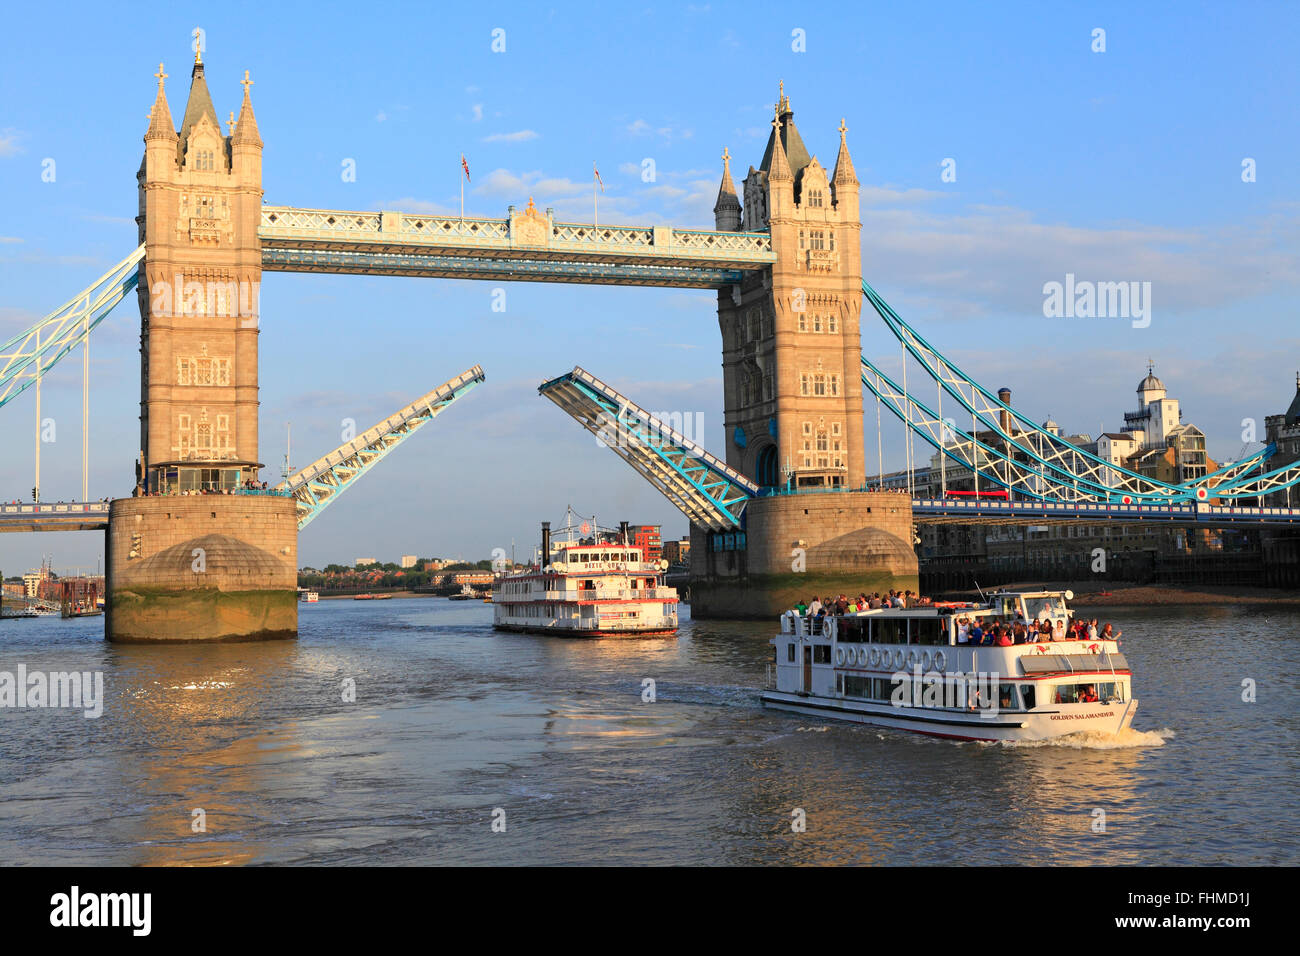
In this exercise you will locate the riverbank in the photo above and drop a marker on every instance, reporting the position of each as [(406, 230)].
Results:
[(1100, 594)]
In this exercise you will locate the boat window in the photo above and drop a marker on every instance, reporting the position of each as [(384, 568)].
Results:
[(821, 653), (790, 655), (852, 630), (926, 631), (889, 631), (1027, 692), (1007, 697), (1084, 692)]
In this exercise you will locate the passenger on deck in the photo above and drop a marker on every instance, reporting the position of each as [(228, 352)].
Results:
[(1019, 634), (1058, 630), (963, 631), (1107, 635), (1088, 695), (976, 633), (1092, 630), (815, 607), (1004, 637)]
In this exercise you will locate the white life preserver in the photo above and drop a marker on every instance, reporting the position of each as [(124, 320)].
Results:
[(925, 660), (873, 657), (899, 658), (912, 657), (862, 656), (940, 660), (839, 655)]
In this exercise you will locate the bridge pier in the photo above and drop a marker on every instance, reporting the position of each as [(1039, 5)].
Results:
[(185, 568), (798, 546)]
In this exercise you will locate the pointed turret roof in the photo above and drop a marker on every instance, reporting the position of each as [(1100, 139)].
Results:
[(199, 105), (160, 116), (727, 198), (787, 133), (1293, 413), (777, 166), (246, 129), (844, 172)]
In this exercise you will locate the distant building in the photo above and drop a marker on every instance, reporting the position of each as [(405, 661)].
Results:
[(32, 583), (647, 538), (1284, 432), (408, 560), (677, 552), (362, 562), (435, 564)]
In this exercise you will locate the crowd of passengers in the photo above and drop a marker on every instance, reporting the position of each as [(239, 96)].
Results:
[(994, 632)]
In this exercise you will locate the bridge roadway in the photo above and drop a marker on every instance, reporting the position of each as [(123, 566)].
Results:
[(93, 515), (993, 511)]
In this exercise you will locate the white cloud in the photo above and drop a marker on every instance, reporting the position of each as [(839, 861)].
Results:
[(9, 143), (478, 112), (380, 116), (519, 136), (10, 239)]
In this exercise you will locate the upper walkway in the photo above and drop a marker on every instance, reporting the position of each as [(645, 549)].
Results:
[(524, 246)]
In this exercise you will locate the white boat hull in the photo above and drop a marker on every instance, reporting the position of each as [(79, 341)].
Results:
[(964, 725)]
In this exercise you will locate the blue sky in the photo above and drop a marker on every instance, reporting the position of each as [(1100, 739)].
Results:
[(1119, 165)]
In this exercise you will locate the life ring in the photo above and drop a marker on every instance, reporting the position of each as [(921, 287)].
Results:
[(912, 657), (925, 660), (1095, 648), (839, 655), (873, 657), (899, 658), (940, 660)]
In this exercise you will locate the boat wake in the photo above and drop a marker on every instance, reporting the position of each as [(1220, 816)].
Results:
[(1096, 740)]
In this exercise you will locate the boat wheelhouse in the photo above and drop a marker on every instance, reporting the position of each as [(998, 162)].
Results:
[(905, 669), (597, 589)]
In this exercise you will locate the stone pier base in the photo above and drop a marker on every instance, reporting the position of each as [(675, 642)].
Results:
[(798, 546), (201, 568)]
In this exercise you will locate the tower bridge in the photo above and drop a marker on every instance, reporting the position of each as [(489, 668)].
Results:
[(786, 508)]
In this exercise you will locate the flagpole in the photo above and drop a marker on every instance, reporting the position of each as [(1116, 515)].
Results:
[(460, 174), (595, 203)]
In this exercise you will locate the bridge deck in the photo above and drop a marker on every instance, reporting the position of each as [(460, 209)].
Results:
[(948, 511), (58, 516), (525, 248)]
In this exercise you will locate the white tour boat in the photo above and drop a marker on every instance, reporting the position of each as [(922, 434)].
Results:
[(603, 589), (307, 596), (904, 668)]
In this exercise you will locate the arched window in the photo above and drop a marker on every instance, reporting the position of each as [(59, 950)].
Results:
[(766, 470)]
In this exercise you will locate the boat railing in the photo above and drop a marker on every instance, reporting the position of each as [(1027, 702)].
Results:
[(623, 594)]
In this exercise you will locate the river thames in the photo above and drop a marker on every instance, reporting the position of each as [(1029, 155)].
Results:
[(456, 726)]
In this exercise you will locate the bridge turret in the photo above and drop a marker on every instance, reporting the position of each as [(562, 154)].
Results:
[(246, 143), (726, 211), (780, 178), (844, 184)]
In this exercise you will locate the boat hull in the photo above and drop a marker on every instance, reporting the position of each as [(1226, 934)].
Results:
[(586, 632), (962, 725)]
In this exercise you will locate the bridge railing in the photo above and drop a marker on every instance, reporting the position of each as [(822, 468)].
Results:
[(288, 224)]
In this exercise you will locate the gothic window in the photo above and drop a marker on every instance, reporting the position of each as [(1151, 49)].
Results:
[(817, 239), (223, 371), (814, 197), (203, 371), (835, 383), (801, 243), (821, 441), (835, 428), (769, 383), (803, 321), (807, 428), (819, 384), (832, 240), (203, 438), (183, 371), (817, 323), (832, 323), (803, 383)]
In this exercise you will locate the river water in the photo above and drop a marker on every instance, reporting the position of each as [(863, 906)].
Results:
[(455, 726)]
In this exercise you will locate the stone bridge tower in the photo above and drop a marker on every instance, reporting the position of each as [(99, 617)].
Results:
[(793, 398), (200, 206), (189, 557), (790, 337)]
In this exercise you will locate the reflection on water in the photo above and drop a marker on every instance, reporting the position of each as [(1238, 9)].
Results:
[(452, 721)]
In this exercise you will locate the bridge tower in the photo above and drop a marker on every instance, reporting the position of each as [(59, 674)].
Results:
[(790, 337), (791, 349), (185, 563)]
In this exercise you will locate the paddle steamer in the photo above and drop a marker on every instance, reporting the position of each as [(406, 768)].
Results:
[(904, 668), (601, 588)]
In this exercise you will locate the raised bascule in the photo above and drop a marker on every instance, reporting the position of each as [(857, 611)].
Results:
[(787, 510)]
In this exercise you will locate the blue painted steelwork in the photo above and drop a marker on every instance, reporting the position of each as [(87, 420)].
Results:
[(39, 348), (1136, 487), (707, 491), (320, 483), (512, 269)]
